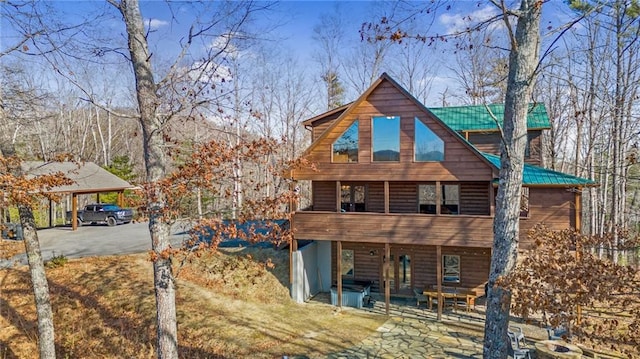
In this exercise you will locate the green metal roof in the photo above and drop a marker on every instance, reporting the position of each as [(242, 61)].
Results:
[(538, 176), (477, 118)]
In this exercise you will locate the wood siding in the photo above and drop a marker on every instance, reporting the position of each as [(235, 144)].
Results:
[(535, 148), (489, 142), (460, 163), (324, 196), (424, 229), (553, 207), (403, 196), (368, 259), (321, 125), (474, 198), (375, 197)]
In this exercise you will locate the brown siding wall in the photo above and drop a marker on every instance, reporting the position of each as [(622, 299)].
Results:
[(324, 196), (489, 142), (553, 207), (474, 198), (423, 229), (474, 264), (322, 125), (474, 267), (403, 197), (366, 266), (460, 162), (535, 148), (375, 200)]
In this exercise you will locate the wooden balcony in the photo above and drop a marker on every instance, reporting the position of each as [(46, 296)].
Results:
[(424, 229)]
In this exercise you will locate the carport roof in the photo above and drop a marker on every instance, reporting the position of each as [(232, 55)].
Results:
[(88, 176)]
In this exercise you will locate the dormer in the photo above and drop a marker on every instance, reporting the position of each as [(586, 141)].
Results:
[(480, 125)]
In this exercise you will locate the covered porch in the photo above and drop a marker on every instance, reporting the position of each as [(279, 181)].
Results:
[(390, 271)]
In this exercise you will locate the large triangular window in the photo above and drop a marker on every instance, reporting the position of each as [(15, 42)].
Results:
[(428, 147), (345, 148)]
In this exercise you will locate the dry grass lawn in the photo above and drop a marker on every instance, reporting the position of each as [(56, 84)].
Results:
[(229, 305)]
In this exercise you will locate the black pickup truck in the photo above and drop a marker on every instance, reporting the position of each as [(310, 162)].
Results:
[(110, 214)]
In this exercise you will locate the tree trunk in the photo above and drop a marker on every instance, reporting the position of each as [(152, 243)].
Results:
[(523, 61), (46, 337), (155, 162)]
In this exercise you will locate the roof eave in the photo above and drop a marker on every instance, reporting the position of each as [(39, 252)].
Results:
[(309, 122)]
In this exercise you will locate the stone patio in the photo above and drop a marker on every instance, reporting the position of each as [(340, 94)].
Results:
[(412, 332)]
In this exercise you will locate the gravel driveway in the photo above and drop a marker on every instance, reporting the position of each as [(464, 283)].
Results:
[(98, 240)]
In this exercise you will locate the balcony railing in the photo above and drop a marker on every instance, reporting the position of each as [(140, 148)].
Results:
[(424, 229)]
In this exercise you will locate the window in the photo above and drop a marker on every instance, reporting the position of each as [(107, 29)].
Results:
[(427, 198), (345, 148), (527, 148), (386, 138), (450, 269), (427, 145), (524, 202), (450, 199), (353, 198), (347, 263)]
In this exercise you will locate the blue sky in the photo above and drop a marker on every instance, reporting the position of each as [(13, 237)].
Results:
[(290, 24)]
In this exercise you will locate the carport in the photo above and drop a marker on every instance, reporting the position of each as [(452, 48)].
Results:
[(89, 178)]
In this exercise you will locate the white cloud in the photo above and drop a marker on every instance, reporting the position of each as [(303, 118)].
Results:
[(461, 21), (155, 23), (225, 43)]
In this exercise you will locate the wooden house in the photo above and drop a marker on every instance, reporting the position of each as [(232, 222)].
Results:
[(403, 196)]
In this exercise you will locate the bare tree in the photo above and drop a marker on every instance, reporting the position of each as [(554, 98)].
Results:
[(413, 69), (481, 68), (328, 33), (14, 105), (180, 93), (20, 104), (523, 63)]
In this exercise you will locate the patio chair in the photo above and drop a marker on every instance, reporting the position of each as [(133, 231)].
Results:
[(557, 333), (515, 350), (420, 297), (518, 334)]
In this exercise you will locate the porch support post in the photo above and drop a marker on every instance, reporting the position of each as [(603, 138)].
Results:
[(578, 210), (492, 201), (438, 199), (74, 211), (439, 281), (121, 198), (293, 204), (292, 248), (338, 196), (51, 211), (339, 271), (386, 196), (387, 279)]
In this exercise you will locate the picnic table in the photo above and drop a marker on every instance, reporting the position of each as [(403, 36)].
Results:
[(453, 295)]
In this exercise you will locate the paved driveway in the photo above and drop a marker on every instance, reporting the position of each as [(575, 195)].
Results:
[(98, 240)]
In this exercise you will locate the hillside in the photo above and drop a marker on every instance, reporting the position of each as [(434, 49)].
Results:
[(229, 305)]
